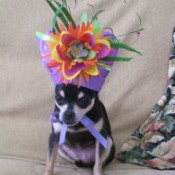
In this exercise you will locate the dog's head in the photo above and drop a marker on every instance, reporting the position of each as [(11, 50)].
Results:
[(73, 102)]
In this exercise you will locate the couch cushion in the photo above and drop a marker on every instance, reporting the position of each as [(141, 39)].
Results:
[(27, 92)]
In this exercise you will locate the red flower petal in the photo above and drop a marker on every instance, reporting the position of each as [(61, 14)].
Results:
[(73, 72), (88, 38), (103, 52), (61, 54), (67, 39)]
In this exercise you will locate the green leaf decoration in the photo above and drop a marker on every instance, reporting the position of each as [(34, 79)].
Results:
[(57, 27), (54, 21), (64, 2), (98, 27), (84, 18), (134, 31), (91, 55), (104, 66), (140, 20), (46, 37), (123, 59), (59, 13), (117, 44), (75, 2), (90, 5), (95, 16), (67, 13), (62, 13)]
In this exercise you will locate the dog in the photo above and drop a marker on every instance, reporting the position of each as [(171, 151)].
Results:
[(80, 147)]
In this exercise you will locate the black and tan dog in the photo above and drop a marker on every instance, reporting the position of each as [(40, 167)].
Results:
[(80, 147)]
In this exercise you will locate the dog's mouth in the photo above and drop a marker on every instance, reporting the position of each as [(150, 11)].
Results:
[(70, 118), (71, 123)]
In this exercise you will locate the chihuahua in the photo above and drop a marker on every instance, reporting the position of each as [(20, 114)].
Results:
[(80, 147)]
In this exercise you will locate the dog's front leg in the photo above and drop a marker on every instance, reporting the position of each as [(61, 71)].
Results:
[(101, 155), (97, 169), (53, 148)]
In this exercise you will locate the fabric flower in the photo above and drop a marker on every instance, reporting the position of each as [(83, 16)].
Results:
[(79, 53), (76, 53)]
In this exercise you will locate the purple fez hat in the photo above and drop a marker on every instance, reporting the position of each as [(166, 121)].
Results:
[(95, 82), (79, 53)]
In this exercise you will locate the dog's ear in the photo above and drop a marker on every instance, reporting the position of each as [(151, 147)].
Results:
[(58, 87), (95, 94), (56, 109)]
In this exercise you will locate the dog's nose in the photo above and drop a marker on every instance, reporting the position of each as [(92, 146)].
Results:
[(69, 117), (69, 114)]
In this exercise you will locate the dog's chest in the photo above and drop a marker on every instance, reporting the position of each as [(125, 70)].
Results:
[(83, 139), (79, 143), (86, 155), (80, 146)]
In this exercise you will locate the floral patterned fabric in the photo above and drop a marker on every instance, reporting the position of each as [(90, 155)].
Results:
[(153, 143)]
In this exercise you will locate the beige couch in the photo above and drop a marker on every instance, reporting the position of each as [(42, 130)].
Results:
[(27, 92)]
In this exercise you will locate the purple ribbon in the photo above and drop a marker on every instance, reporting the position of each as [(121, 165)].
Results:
[(63, 134), (88, 124)]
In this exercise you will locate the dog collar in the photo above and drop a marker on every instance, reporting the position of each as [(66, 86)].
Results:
[(86, 122)]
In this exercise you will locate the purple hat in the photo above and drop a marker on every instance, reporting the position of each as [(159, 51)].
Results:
[(81, 54), (94, 83)]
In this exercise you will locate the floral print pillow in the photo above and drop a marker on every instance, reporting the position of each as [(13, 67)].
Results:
[(153, 143)]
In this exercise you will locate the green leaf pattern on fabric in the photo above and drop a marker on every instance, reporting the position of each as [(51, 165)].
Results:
[(153, 143)]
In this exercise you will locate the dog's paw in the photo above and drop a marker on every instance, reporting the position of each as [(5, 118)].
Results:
[(97, 173), (48, 173)]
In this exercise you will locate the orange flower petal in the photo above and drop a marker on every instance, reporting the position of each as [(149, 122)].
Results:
[(53, 63), (80, 80), (86, 76)]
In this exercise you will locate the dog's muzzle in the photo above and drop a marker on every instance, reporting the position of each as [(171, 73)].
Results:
[(69, 117)]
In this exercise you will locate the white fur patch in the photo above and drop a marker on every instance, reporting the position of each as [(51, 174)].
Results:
[(62, 154), (57, 127), (62, 93), (80, 112), (62, 108), (80, 95), (98, 126)]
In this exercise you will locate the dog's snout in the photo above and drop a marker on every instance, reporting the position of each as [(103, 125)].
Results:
[(69, 117), (69, 114)]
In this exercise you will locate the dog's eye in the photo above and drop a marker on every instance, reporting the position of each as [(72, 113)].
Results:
[(60, 100), (84, 101)]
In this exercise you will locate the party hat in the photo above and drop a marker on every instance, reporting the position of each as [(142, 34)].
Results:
[(79, 53)]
